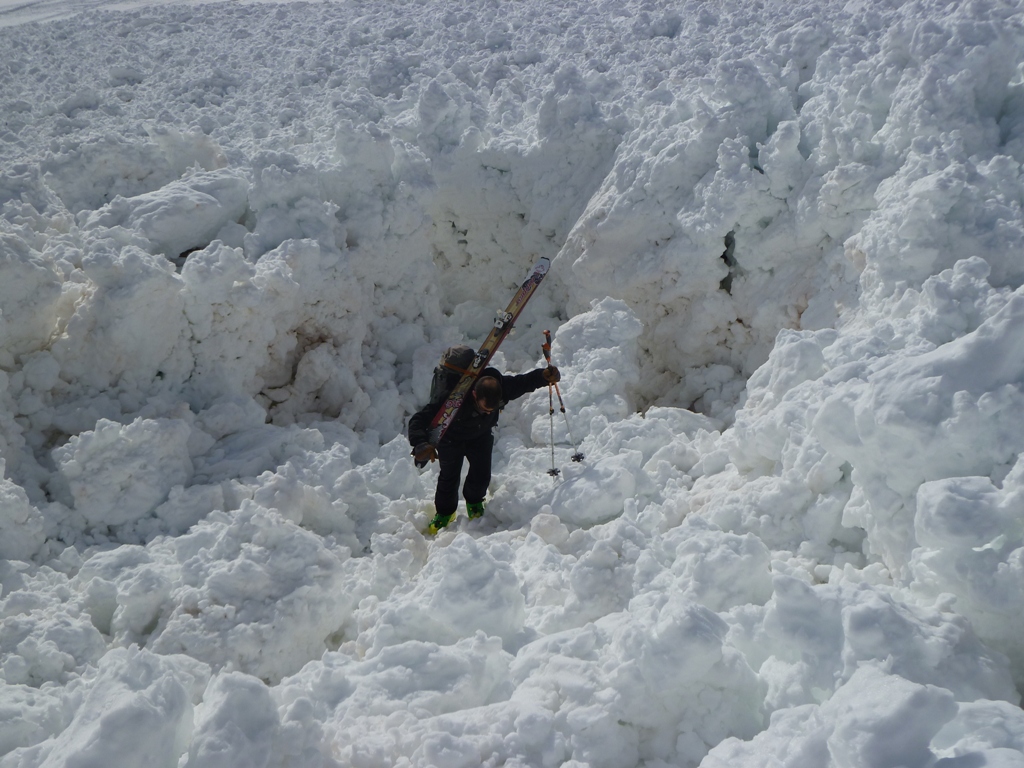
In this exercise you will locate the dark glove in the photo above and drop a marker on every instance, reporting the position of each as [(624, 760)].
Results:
[(424, 453), (551, 375)]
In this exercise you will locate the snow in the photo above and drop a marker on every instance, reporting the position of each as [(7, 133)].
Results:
[(786, 298)]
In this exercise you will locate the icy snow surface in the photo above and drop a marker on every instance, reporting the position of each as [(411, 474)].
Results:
[(787, 298)]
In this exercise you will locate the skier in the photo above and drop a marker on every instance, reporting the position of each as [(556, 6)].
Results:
[(469, 437)]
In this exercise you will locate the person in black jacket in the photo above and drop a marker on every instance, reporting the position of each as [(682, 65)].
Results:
[(469, 437)]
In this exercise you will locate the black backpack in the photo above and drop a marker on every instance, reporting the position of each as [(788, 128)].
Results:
[(455, 362)]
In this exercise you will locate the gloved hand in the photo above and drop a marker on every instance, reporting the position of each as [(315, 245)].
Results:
[(551, 375), (423, 454)]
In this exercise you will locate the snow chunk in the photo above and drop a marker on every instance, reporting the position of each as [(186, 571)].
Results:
[(46, 640), (30, 288), (658, 680), (448, 699), (875, 719), (252, 592), (598, 492), (238, 726), (809, 639), (181, 215), (951, 411), (184, 214), (30, 715), (971, 544), (702, 563), (980, 726), (118, 474), (465, 586), (137, 709), (129, 331), (22, 531), (597, 355)]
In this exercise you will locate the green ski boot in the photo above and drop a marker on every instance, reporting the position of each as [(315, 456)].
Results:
[(475, 509), (440, 521)]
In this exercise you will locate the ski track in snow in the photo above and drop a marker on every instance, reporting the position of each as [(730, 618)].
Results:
[(786, 301)]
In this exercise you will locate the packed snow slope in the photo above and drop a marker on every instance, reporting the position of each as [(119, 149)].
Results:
[(787, 293)]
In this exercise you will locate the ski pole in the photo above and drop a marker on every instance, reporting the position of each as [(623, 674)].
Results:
[(554, 472), (577, 455)]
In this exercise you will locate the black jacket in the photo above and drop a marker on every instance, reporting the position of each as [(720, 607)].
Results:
[(470, 423)]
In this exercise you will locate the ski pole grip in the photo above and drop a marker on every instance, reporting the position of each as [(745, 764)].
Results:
[(546, 346)]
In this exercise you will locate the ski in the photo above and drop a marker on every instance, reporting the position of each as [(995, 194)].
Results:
[(502, 325)]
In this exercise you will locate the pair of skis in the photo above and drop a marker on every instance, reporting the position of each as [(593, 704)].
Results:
[(502, 325)]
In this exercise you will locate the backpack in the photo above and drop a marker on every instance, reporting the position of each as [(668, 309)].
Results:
[(455, 362)]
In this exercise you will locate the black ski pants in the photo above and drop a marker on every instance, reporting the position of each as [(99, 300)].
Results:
[(450, 455)]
